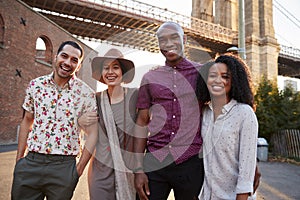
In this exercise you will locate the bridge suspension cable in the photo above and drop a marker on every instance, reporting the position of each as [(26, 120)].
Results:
[(287, 14)]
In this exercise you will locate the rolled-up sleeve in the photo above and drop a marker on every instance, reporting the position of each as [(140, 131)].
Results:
[(247, 153)]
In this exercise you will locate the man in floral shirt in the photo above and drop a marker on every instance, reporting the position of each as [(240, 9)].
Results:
[(50, 132)]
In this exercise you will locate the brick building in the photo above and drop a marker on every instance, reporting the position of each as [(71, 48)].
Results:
[(20, 27)]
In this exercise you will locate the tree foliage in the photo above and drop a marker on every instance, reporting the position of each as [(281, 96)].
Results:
[(276, 110)]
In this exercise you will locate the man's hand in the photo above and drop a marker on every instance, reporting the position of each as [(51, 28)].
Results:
[(141, 185), (25, 127), (256, 179)]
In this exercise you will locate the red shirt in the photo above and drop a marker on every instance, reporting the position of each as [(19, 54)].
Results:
[(169, 93)]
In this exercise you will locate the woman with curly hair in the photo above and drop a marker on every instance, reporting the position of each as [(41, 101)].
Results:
[(229, 129)]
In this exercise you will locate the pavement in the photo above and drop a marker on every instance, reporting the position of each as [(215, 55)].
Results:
[(279, 181)]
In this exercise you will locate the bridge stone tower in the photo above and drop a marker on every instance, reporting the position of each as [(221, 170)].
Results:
[(262, 49)]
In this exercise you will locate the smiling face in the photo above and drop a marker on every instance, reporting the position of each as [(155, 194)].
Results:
[(171, 42), (67, 62), (219, 81), (112, 72)]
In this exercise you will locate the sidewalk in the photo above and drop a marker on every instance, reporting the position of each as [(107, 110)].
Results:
[(280, 180), (9, 147)]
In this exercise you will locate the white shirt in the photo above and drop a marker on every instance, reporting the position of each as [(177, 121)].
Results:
[(229, 151)]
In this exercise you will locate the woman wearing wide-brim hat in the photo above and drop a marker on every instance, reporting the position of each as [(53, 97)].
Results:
[(99, 63), (110, 165)]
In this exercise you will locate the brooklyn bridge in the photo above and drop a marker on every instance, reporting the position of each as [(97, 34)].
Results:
[(133, 24)]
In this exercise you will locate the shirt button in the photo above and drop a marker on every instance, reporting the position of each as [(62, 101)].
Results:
[(174, 99), (174, 72), (174, 86), (172, 133), (174, 116), (170, 146)]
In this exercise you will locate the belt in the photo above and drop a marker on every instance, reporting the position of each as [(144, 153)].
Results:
[(49, 157)]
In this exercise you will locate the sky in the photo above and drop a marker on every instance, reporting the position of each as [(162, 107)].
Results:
[(287, 32)]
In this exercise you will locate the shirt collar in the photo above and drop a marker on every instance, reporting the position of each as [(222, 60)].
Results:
[(227, 107), (68, 85), (183, 64)]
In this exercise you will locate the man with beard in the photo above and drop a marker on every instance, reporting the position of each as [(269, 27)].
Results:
[(50, 132)]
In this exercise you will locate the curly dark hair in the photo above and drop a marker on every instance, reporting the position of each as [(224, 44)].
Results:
[(241, 83)]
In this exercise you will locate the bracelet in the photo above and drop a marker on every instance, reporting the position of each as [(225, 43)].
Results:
[(137, 169)]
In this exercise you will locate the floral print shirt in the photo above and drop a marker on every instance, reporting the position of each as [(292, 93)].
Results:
[(55, 129)]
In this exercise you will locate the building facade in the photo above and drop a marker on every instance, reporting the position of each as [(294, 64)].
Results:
[(20, 27)]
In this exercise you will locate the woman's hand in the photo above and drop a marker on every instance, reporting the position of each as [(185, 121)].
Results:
[(88, 119)]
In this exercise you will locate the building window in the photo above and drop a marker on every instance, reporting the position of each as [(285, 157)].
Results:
[(44, 50)]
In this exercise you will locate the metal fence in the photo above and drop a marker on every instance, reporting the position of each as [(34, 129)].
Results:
[(286, 143)]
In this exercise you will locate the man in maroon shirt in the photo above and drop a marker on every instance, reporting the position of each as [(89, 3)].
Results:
[(168, 124)]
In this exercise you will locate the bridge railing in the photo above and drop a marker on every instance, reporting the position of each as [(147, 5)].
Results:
[(146, 10), (204, 28), (290, 51)]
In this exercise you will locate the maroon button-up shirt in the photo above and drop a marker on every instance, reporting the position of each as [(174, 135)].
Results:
[(169, 93)]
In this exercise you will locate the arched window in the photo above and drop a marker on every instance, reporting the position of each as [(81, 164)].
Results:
[(44, 50), (2, 29)]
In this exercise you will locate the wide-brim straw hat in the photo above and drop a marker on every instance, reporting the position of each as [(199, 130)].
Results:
[(127, 66)]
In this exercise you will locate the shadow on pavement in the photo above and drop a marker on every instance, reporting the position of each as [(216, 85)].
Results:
[(9, 147)]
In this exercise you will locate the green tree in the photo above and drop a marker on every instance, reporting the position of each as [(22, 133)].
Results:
[(276, 110)]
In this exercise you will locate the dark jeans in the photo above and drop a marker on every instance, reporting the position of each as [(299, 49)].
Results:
[(38, 175), (185, 179)]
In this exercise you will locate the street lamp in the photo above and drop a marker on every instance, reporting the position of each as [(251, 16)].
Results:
[(237, 50), (241, 49)]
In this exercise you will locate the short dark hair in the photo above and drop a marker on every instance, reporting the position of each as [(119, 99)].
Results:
[(73, 44)]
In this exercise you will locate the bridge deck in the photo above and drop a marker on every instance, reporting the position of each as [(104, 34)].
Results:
[(130, 23), (133, 24)]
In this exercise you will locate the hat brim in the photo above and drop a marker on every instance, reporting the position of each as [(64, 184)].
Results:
[(126, 65)]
